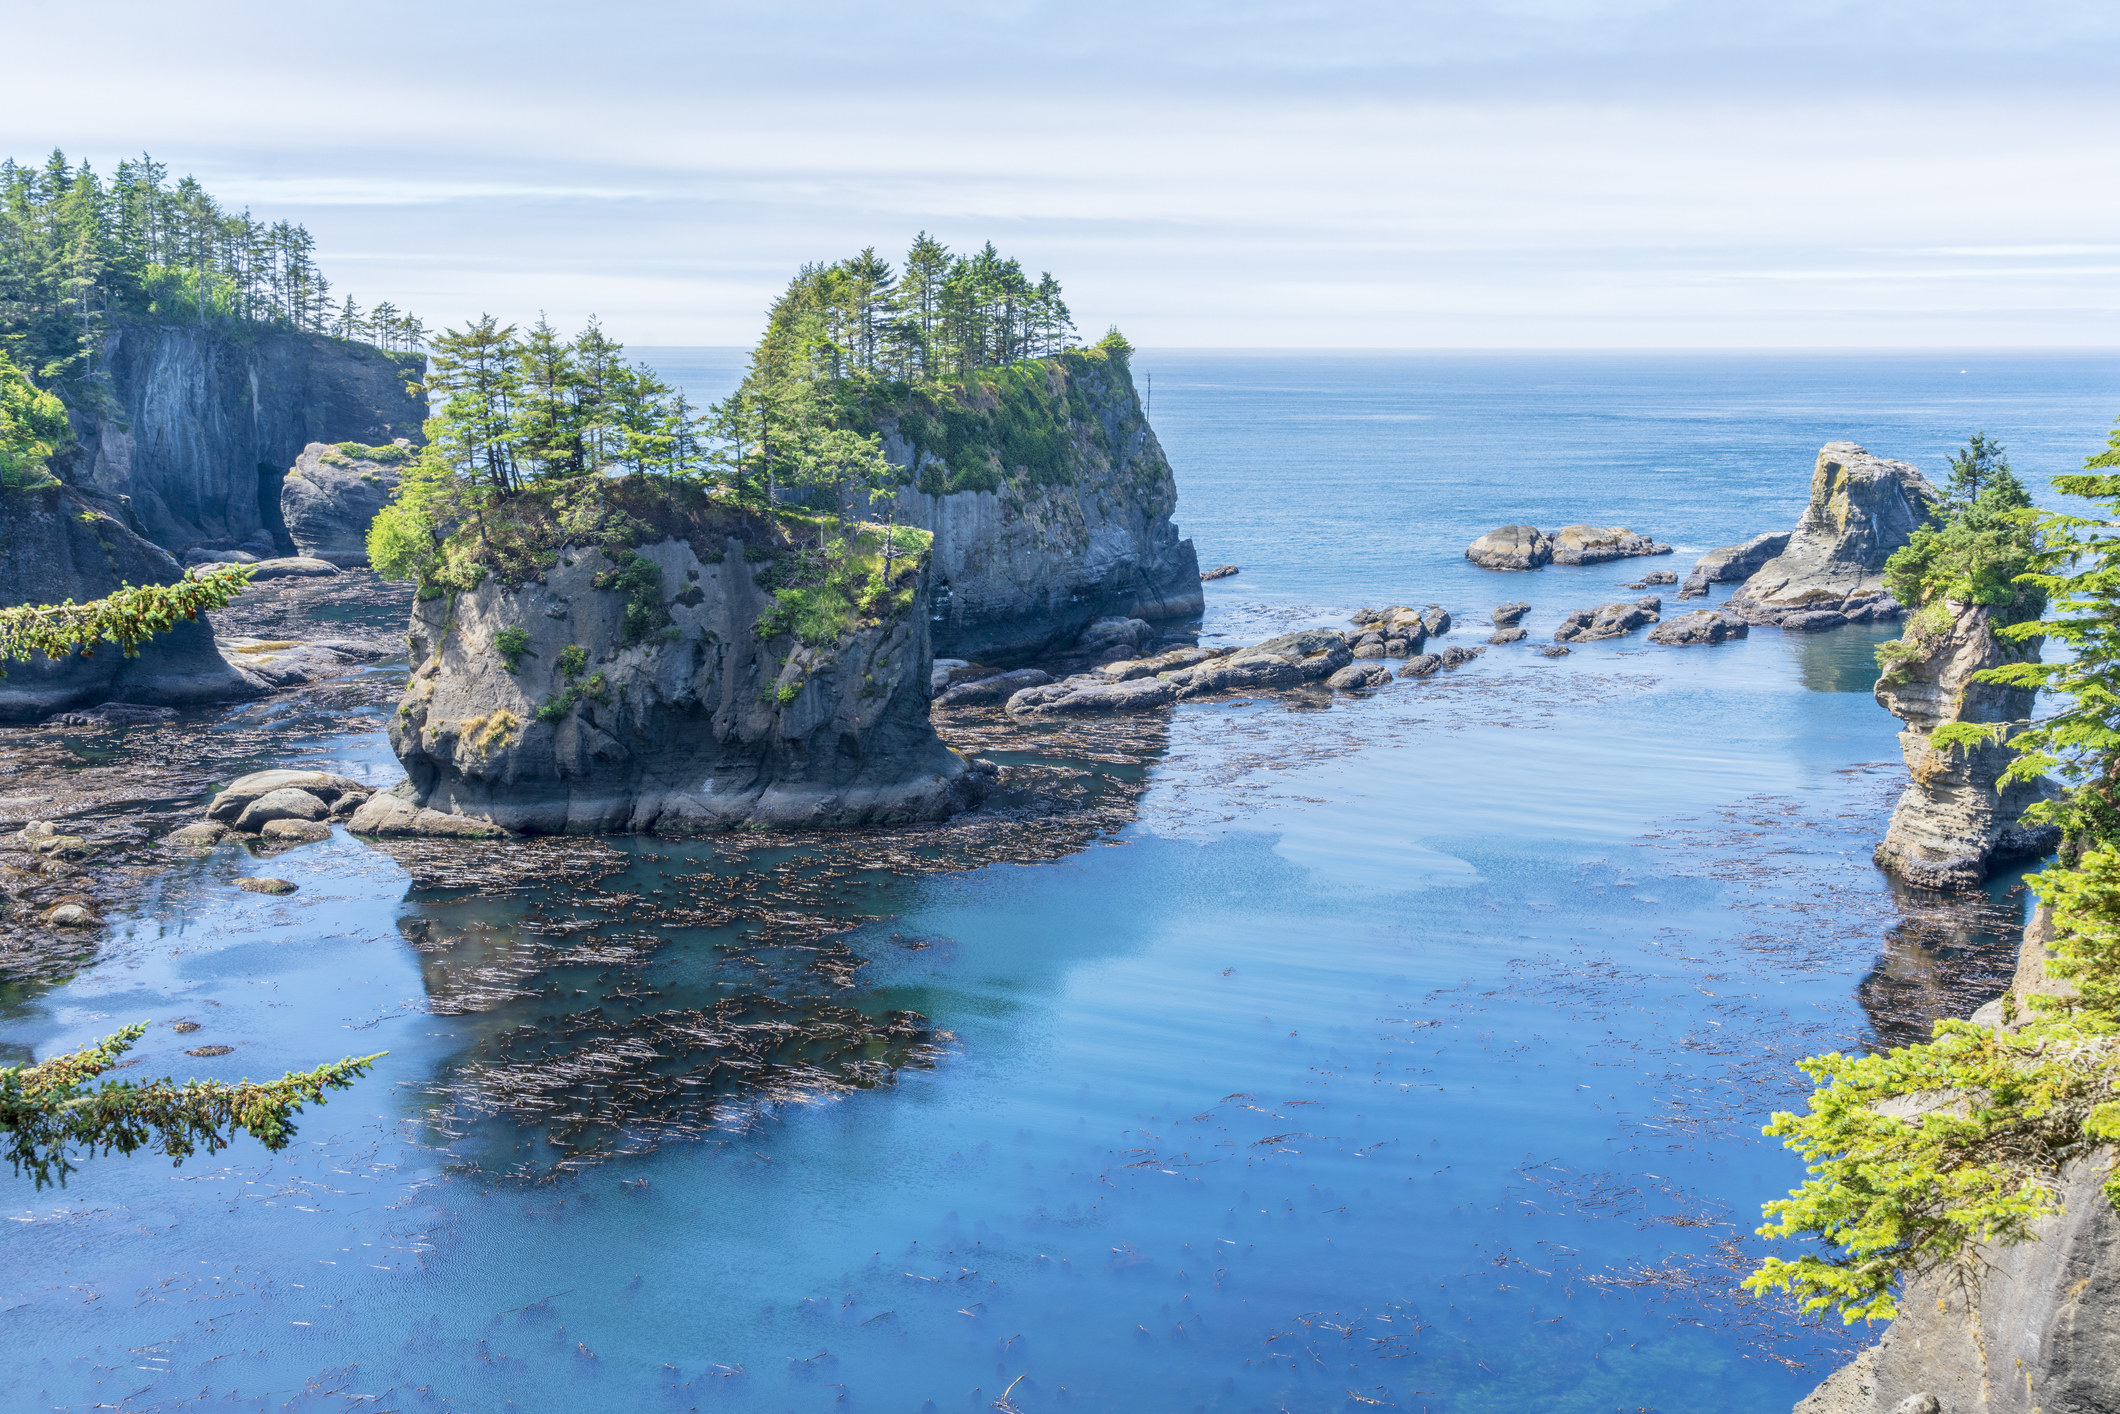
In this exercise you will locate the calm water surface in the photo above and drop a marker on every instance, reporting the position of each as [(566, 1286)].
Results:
[(1401, 1053)]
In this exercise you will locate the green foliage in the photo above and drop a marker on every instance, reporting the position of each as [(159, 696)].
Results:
[(819, 595), (1981, 540), (640, 579), (49, 1112), (512, 644), (1115, 344), (593, 688), (32, 426), (126, 618), (389, 454), (573, 662)]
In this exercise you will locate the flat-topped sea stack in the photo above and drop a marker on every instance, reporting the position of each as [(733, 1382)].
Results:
[(666, 662), (1832, 570), (1954, 824), (1049, 499)]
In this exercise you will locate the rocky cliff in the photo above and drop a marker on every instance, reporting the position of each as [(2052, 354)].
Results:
[(332, 493), (1050, 502), (677, 667), (57, 545), (2028, 1329), (1952, 825), (187, 431), (1832, 570)]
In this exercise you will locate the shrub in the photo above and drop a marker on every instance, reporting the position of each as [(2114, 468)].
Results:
[(512, 644)]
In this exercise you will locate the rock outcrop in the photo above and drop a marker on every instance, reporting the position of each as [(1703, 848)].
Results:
[(1512, 547), (1397, 631), (1599, 544), (1700, 626), (1608, 620), (1832, 570), (332, 493), (1732, 564), (1050, 501), (55, 544), (661, 686), (2027, 1329), (197, 426), (1289, 660), (1953, 825)]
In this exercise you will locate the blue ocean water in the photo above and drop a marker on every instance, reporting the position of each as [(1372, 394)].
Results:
[(1406, 1052)]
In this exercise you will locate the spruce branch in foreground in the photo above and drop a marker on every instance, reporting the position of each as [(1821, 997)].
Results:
[(126, 618)]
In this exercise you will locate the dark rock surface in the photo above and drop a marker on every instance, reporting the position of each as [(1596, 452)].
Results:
[(1218, 572), (1288, 660), (1507, 635), (200, 424), (1953, 825), (1732, 564), (1862, 509), (1511, 547), (1700, 626), (986, 692), (1509, 615), (701, 725), (1599, 544), (1608, 620), (329, 497), (1360, 677), (1027, 565), (55, 544)]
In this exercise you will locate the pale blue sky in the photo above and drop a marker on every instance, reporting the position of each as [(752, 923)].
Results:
[(1513, 173)]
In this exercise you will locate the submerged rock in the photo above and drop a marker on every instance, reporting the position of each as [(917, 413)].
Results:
[(1700, 626), (1608, 620), (1732, 564), (1512, 547), (1862, 509), (332, 493), (260, 885), (1553, 650), (1218, 572), (1953, 824), (1598, 544)]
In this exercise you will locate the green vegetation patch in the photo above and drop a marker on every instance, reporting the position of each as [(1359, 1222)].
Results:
[(822, 592), (512, 644)]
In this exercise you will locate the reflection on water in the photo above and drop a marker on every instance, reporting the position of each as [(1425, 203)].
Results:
[(1947, 955), (1840, 659)]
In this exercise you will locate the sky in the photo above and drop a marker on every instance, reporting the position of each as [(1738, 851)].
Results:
[(1480, 174)]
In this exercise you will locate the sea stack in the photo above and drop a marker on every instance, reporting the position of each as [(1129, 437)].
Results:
[(1953, 823), (1832, 570)]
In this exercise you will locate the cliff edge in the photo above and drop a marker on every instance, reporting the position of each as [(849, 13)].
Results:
[(662, 661), (1049, 499)]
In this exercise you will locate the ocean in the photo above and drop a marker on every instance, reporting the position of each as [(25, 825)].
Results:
[(1404, 1052)]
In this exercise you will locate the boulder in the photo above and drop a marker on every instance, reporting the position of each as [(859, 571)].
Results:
[(1653, 581), (1955, 823), (1127, 669), (1218, 572), (1507, 635), (939, 679), (1287, 660), (1509, 615), (985, 692), (1700, 626), (289, 567), (1114, 632), (1553, 650), (295, 831), (1435, 620), (1512, 547), (1813, 621), (1089, 695), (260, 885), (1732, 564), (331, 494), (1596, 544), (286, 803), (1359, 677), (239, 794), (67, 915), (197, 835), (281, 663), (1608, 620), (1421, 665), (1862, 508), (388, 815), (1457, 654)]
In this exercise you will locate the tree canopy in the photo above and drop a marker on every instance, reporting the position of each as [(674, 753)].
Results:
[(76, 249), (33, 425)]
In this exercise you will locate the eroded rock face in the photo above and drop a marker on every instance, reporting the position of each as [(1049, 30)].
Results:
[(1862, 509), (57, 544), (1732, 564), (2029, 1329), (1029, 564), (329, 497), (1512, 547), (1700, 626), (695, 724), (1953, 825)]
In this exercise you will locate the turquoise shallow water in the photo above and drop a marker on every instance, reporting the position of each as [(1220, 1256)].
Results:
[(1399, 1053)]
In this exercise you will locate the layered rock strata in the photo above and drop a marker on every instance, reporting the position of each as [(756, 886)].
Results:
[(2027, 1329), (56, 544), (1050, 501), (655, 691), (1954, 825), (331, 494), (1732, 564), (1289, 660), (1831, 572), (197, 426)]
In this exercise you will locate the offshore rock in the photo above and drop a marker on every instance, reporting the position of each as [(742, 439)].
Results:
[(1218, 572), (1510, 615), (1732, 564), (1700, 626), (1597, 544), (670, 700), (1608, 620), (199, 425), (330, 496), (1507, 635), (1862, 509), (2010, 1330), (56, 544), (1026, 556), (1289, 660), (1512, 547), (1360, 677), (1953, 825)]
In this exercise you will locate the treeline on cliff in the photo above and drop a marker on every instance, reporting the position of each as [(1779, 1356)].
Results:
[(77, 250)]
